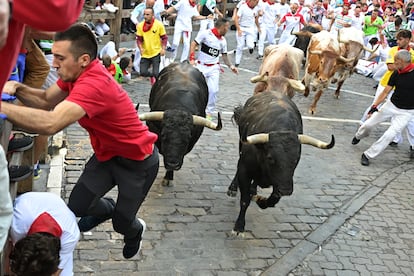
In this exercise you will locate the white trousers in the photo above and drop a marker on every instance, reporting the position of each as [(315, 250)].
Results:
[(206, 24), (267, 32), (400, 119), (410, 127), (212, 75), (186, 36), (137, 60), (247, 37), (6, 206), (108, 49), (101, 29)]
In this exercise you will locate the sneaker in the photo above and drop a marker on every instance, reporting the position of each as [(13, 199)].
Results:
[(152, 80), (355, 141), (134, 245), (87, 223), (169, 49), (109, 7), (251, 51), (259, 58), (209, 117), (236, 65), (411, 153), (364, 160), (19, 173), (36, 171), (20, 144), (393, 144)]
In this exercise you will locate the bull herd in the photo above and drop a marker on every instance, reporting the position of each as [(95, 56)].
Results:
[(269, 140)]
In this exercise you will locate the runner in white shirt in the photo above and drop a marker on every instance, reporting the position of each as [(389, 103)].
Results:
[(205, 8), (186, 13), (357, 18), (268, 17), (246, 34), (292, 21), (42, 212), (283, 8), (304, 9), (211, 44)]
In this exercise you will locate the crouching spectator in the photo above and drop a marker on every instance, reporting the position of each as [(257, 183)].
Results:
[(44, 232), (118, 71)]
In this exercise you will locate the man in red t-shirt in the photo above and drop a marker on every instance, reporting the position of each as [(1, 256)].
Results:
[(124, 150), (14, 16)]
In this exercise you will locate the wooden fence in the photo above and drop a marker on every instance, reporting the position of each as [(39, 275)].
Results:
[(115, 19)]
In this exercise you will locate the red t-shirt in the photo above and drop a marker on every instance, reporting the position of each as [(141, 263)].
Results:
[(111, 119), (46, 15)]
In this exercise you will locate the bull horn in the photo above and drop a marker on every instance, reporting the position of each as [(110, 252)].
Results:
[(296, 85), (345, 60), (305, 139), (260, 78), (315, 52), (201, 121), (259, 138), (152, 116), (371, 50)]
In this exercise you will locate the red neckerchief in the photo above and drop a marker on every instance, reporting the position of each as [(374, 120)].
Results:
[(248, 4), (192, 3), (325, 5), (373, 19), (148, 26), (408, 48), (269, 2), (406, 69), (112, 69), (216, 33), (45, 223)]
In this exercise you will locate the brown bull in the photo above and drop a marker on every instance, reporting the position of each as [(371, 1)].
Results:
[(323, 59), (279, 70), (351, 41)]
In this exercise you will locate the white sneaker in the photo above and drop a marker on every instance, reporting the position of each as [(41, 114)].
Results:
[(109, 7)]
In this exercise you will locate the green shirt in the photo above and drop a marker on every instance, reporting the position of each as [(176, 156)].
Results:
[(368, 28)]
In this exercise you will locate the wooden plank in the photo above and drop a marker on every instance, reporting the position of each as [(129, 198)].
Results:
[(90, 15)]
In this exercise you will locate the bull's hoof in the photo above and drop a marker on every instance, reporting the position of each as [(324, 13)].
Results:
[(334, 80), (312, 111), (261, 201), (236, 233), (166, 182), (231, 193), (336, 96)]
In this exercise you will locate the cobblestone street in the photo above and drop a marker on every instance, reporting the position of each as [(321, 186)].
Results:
[(342, 219)]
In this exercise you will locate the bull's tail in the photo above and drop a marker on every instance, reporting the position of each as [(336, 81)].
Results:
[(236, 114)]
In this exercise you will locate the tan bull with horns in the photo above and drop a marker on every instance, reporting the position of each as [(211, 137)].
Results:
[(279, 70)]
